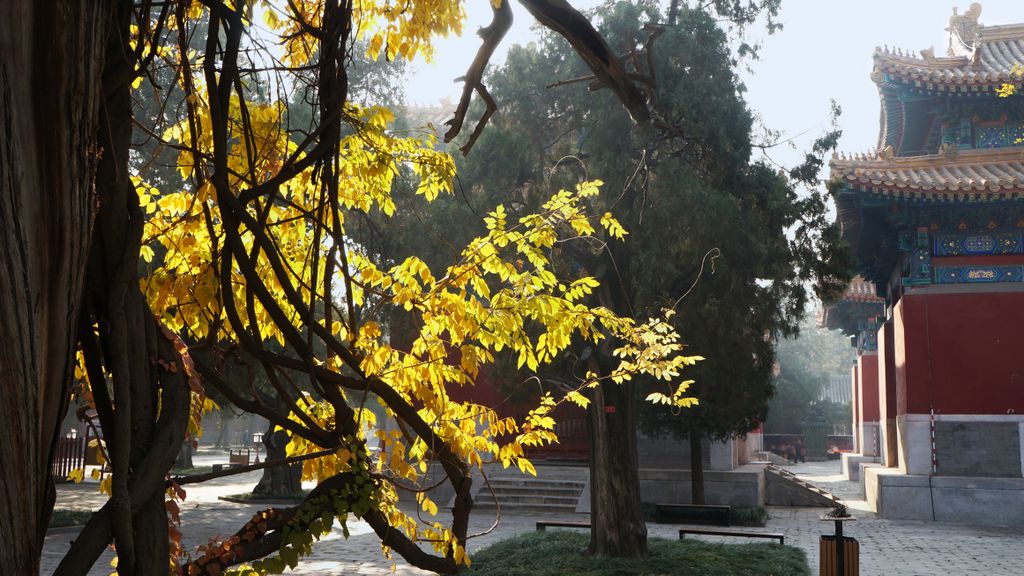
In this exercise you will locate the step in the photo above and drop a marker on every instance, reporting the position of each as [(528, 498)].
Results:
[(531, 499), (560, 491), (553, 508), (534, 484), (793, 479)]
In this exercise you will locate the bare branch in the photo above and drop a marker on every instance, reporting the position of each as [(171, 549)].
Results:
[(561, 17), (473, 80)]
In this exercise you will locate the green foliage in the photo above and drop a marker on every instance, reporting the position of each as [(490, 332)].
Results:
[(806, 363), (738, 515), (732, 244), (63, 517), (747, 516), (559, 553)]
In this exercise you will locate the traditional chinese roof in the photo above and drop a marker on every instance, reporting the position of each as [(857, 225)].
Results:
[(859, 303), (979, 60), (949, 176), (996, 51), (861, 290), (926, 161)]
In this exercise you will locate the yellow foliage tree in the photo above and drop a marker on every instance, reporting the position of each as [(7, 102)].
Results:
[(251, 253)]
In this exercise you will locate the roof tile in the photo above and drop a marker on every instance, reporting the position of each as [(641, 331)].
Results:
[(972, 174), (1000, 48)]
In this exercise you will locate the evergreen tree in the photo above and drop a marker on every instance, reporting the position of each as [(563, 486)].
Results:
[(723, 239)]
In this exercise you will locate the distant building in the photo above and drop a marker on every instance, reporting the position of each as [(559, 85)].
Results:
[(857, 315), (837, 390), (935, 217)]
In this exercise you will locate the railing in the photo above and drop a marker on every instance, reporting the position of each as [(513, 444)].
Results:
[(68, 455), (573, 437)]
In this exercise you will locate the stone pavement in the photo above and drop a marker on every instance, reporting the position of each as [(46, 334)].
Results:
[(892, 548)]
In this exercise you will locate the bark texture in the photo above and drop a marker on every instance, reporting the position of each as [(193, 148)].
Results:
[(285, 479), (184, 460), (696, 468), (144, 420), (51, 58), (618, 527)]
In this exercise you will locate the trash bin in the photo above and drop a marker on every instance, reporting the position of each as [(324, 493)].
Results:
[(827, 555)]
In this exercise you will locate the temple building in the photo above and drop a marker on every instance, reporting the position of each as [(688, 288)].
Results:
[(935, 218), (857, 314)]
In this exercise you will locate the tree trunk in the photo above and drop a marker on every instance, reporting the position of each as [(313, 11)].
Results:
[(223, 430), (283, 480), (145, 421), (278, 480), (184, 460), (617, 522), (51, 57), (696, 468)]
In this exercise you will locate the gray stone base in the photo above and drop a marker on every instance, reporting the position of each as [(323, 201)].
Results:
[(851, 465), (744, 486), (958, 499)]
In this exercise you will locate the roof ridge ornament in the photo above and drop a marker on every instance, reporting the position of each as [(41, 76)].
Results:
[(949, 150), (964, 31)]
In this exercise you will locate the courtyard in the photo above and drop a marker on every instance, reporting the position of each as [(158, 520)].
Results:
[(890, 547)]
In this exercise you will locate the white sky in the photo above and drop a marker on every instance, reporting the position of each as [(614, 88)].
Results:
[(823, 52)]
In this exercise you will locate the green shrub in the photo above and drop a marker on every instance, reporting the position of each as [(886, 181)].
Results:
[(563, 553), (63, 517), (748, 516)]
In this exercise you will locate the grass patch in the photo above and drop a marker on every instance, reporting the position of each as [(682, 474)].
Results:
[(748, 516), (249, 497), (64, 517), (738, 515), (192, 470), (561, 553)]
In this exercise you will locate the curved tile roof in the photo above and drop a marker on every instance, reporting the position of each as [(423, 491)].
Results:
[(970, 175), (860, 302), (862, 290), (998, 50)]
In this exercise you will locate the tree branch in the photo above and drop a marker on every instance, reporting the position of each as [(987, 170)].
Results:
[(561, 17), (473, 80)]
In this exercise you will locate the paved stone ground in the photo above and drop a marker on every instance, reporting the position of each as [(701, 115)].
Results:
[(893, 548)]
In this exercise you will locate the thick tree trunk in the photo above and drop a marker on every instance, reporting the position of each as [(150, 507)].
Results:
[(184, 460), (144, 422), (283, 480), (223, 430), (144, 431), (50, 62), (617, 521), (696, 468)]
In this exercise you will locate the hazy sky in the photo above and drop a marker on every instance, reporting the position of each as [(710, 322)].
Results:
[(823, 52)]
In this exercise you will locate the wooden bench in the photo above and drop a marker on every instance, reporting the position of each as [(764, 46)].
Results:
[(236, 459), (239, 457), (741, 533), (545, 524), (710, 514)]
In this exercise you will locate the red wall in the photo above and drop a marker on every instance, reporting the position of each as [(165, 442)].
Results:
[(855, 404), (887, 388), (961, 352), (867, 371), (886, 372)]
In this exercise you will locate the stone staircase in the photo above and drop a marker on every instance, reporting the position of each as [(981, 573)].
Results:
[(783, 488), (529, 494)]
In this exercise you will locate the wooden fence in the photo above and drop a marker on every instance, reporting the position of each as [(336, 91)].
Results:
[(69, 455)]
